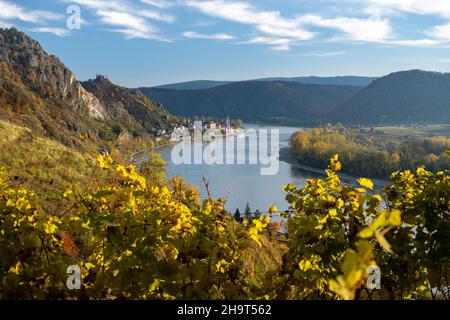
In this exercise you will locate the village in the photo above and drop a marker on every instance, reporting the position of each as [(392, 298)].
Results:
[(211, 129)]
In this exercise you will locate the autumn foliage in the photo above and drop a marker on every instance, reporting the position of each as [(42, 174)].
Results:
[(135, 240)]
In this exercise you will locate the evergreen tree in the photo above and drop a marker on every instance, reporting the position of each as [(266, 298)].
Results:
[(237, 216), (248, 213)]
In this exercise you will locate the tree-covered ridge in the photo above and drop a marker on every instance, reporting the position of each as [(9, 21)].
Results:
[(266, 101), (137, 240), (413, 96), (369, 154)]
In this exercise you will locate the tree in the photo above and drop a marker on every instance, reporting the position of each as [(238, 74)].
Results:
[(248, 213), (237, 216), (237, 124)]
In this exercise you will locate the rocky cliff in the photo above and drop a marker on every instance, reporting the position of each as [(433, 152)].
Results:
[(38, 91)]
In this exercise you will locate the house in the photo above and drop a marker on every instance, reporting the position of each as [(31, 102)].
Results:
[(210, 125)]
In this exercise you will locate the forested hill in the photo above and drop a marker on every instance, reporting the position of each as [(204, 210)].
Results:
[(270, 101), (401, 97), (337, 81)]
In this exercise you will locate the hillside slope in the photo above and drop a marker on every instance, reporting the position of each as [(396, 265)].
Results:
[(401, 97), (39, 92), (128, 110), (42, 165)]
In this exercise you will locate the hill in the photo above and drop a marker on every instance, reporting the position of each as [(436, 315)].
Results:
[(193, 85), (338, 81), (401, 97), (39, 92), (128, 110), (265, 101)]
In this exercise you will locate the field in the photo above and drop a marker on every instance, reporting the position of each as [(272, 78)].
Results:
[(426, 130)]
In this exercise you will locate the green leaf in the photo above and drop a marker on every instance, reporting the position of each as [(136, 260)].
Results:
[(351, 261)]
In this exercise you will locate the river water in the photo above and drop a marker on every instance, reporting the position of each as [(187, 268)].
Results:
[(242, 184)]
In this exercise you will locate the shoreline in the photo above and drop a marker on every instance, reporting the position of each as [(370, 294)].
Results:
[(286, 156)]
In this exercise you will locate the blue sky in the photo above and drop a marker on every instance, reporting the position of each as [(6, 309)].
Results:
[(150, 42)]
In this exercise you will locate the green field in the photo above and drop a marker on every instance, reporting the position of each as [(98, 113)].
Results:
[(427, 130)]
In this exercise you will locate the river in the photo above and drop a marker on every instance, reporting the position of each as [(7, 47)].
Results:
[(242, 184)]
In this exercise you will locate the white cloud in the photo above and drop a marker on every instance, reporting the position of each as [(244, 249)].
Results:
[(129, 19), (10, 11), (132, 26), (356, 29), (370, 22), (323, 54), (423, 7), (271, 23), (157, 16), (162, 4), (416, 43), (215, 36), (441, 32), (60, 32), (277, 44)]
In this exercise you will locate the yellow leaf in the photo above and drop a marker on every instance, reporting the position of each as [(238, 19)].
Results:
[(67, 193), (383, 242), (366, 183), (273, 209), (104, 162), (15, 269), (366, 233), (89, 265), (395, 218)]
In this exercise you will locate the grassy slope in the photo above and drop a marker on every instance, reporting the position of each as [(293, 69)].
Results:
[(44, 166)]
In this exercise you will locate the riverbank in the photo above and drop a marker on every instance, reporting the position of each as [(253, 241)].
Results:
[(287, 156)]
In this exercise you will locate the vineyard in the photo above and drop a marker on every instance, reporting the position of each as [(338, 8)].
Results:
[(134, 239)]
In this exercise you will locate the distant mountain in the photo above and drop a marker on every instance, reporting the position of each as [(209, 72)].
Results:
[(338, 81), (39, 92), (401, 97), (193, 85), (265, 101)]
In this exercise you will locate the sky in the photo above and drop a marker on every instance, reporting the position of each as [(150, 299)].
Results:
[(150, 42)]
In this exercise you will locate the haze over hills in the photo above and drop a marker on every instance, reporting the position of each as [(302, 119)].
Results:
[(39, 92), (401, 97), (337, 81), (340, 80), (193, 85), (265, 101)]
